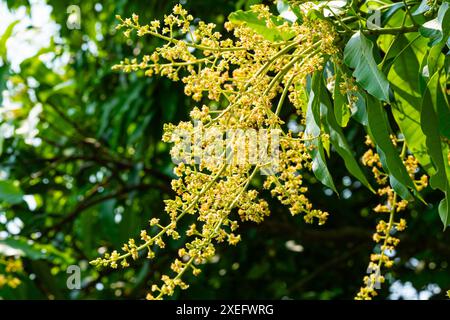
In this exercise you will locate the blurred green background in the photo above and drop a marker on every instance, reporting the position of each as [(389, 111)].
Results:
[(82, 169)]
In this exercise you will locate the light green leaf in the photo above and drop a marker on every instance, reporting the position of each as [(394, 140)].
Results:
[(341, 109), (250, 18), (10, 193), (408, 99), (358, 55), (6, 35)]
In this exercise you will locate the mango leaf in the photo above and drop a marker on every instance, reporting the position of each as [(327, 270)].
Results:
[(443, 111), (358, 55), (313, 131), (4, 75), (435, 58), (341, 109), (408, 98), (379, 129), (10, 193), (251, 19), (444, 209), (361, 108), (337, 137), (438, 29), (429, 119), (436, 148), (388, 14), (444, 205), (399, 188), (423, 7), (6, 35)]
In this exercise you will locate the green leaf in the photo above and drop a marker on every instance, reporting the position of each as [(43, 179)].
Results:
[(444, 209), (379, 129), (337, 137), (388, 14), (443, 111), (438, 29), (10, 193), (2, 141), (429, 120), (423, 7), (250, 18), (313, 130), (358, 55), (437, 149), (408, 99), (361, 108), (6, 35), (341, 108), (399, 188), (435, 58)]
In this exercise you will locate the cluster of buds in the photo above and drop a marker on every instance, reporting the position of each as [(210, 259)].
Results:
[(384, 235)]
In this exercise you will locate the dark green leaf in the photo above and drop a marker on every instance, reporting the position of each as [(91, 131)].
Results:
[(438, 29), (437, 149), (379, 129), (313, 131), (358, 55), (337, 137)]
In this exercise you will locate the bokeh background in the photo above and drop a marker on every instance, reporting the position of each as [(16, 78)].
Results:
[(82, 170)]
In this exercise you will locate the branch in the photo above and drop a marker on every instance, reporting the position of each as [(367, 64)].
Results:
[(396, 30)]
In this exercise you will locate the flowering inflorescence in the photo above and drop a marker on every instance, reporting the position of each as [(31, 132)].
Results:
[(386, 230), (242, 76), (12, 268)]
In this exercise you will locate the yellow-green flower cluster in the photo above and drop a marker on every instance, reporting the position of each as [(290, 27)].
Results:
[(12, 268), (386, 229), (242, 82)]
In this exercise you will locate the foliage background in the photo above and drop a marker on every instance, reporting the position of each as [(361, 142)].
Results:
[(100, 172)]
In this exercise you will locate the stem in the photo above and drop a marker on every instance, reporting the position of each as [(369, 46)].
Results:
[(284, 94), (395, 30)]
